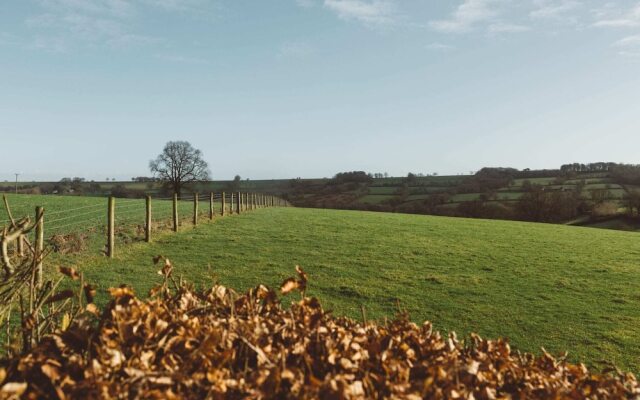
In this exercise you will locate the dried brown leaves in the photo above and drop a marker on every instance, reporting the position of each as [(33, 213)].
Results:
[(218, 344), (291, 284)]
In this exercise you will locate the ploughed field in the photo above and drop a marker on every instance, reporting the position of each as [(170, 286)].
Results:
[(561, 287)]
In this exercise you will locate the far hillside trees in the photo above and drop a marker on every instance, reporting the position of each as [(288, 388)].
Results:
[(539, 205), (353, 177), (234, 185), (632, 203), (626, 174)]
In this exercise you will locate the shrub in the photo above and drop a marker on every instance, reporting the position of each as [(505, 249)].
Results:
[(219, 344)]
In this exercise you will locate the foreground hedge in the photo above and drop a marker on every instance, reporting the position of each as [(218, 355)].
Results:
[(217, 344)]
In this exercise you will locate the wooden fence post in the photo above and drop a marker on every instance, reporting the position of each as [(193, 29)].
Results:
[(195, 208), (39, 245), (211, 210), (223, 204), (147, 228), (238, 211), (175, 212), (232, 204), (111, 224)]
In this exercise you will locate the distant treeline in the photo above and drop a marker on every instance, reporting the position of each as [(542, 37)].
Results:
[(539, 203)]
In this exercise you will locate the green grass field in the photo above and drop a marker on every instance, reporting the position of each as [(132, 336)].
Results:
[(564, 288)]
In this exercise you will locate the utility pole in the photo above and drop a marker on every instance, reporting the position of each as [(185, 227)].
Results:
[(17, 182)]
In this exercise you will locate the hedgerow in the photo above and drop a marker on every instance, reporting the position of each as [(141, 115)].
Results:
[(186, 343)]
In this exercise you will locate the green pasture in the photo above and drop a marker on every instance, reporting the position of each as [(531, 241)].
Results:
[(561, 287)]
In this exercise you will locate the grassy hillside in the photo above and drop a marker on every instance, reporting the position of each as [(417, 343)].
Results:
[(565, 288)]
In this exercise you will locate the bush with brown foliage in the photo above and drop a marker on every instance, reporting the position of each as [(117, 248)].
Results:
[(218, 344), (71, 243)]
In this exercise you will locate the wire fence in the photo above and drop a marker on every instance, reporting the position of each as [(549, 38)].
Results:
[(106, 224)]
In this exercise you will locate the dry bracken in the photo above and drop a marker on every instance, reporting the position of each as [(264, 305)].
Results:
[(219, 344)]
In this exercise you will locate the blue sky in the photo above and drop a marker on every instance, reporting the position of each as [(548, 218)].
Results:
[(287, 88)]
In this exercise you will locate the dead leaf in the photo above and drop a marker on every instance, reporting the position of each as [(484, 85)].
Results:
[(70, 272)]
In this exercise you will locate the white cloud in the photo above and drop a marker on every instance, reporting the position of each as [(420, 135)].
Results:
[(502, 27), (180, 59), (75, 27), (629, 41), (629, 46), (64, 25), (196, 7), (612, 18), (372, 12), (55, 45), (114, 8), (467, 15), (553, 9), (8, 39), (440, 46)]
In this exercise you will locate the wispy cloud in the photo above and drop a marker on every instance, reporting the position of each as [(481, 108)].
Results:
[(629, 41), (196, 7), (65, 25), (114, 8), (629, 46), (503, 27), (554, 9), (613, 18), (8, 39), (371, 12), (56, 45), (85, 28), (440, 46), (180, 59), (467, 15)]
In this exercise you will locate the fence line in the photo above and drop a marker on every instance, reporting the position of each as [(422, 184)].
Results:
[(147, 213)]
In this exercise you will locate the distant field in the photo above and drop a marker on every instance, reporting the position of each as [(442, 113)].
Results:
[(465, 197), (375, 198), (509, 195), (565, 288), (386, 190), (536, 181)]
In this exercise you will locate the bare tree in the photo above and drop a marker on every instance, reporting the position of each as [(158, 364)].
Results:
[(178, 164)]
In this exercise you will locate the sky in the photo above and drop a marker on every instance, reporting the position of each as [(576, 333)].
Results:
[(308, 88)]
